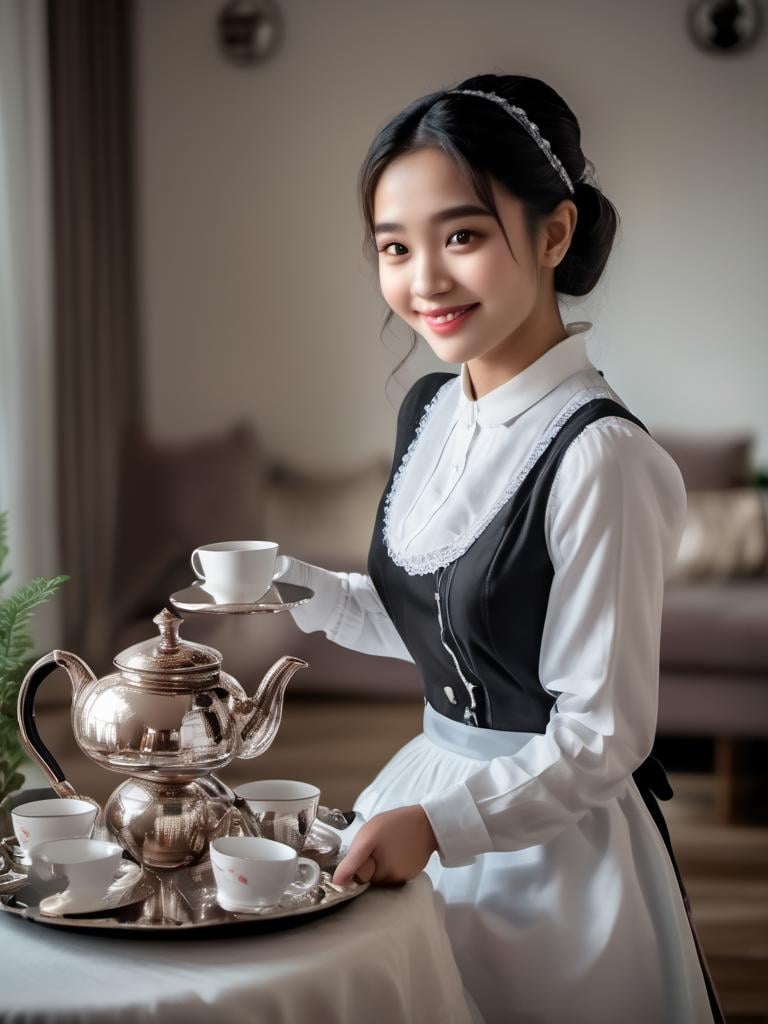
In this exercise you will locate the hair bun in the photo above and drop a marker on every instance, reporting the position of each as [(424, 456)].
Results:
[(583, 264)]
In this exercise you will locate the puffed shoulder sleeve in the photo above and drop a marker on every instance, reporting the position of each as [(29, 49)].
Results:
[(614, 521)]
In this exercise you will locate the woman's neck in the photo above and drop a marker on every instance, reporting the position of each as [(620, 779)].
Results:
[(512, 356)]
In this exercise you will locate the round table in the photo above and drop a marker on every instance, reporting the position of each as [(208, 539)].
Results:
[(383, 958)]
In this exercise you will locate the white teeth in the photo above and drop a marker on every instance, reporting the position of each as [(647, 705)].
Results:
[(446, 317)]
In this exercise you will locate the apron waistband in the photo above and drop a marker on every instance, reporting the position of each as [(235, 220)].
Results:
[(470, 740)]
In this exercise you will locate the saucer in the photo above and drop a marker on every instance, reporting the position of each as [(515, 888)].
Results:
[(122, 891), (278, 598), (288, 900)]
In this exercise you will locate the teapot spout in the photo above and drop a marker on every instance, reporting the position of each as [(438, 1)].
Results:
[(258, 718)]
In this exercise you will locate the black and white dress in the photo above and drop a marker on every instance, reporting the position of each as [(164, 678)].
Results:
[(518, 558)]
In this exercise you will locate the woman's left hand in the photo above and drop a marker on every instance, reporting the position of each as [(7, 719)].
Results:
[(393, 846)]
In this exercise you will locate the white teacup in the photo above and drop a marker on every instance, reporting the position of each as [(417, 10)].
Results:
[(238, 571), (52, 819), (281, 809), (87, 865), (252, 872)]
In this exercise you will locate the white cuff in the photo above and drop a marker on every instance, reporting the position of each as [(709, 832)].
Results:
[(459, 829), (321, 608), (348, 618)]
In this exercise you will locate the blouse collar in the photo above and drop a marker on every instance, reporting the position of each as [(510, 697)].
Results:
[(508, 400)]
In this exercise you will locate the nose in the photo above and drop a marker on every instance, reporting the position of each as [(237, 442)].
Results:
[(430, 277)]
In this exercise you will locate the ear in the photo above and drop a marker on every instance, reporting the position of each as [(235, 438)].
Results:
[(557, 232)]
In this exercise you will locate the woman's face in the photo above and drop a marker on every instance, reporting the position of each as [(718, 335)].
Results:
[(433, 259)]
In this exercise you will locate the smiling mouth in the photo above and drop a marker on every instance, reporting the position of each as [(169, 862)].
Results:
[(446, 318)]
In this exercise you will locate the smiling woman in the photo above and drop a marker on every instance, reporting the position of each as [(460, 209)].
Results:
[(518, 559)]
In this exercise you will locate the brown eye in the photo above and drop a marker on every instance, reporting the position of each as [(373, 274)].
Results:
[(388, 247), (466, 233)]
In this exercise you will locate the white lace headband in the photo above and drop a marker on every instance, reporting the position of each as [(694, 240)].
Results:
[(520, 116)]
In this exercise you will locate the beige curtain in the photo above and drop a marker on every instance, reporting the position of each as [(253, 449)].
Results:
[(95, 318), (27, 458)]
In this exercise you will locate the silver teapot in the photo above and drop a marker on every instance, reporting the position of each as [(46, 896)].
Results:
[(168, 717)]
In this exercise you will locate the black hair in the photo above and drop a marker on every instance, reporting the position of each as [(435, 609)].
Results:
[(487, 143)]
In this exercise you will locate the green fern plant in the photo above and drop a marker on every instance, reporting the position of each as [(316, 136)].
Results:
[(15, 659)]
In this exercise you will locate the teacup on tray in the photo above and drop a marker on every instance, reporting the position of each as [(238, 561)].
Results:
[(87, 867), (238, 571), (252, 873), (281, 809), (51, 819)]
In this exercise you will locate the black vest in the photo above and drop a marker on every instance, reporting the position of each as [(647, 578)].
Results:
[(474, 627)]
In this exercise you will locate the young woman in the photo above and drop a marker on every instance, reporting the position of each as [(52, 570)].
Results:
[(518, 558)]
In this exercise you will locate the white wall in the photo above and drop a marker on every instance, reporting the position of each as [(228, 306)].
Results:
[(257, 302)]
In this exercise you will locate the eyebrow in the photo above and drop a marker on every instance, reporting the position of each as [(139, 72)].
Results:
[(467, 210)]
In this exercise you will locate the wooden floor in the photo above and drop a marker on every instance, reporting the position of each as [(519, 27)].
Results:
[(339, 745), (725, 868)]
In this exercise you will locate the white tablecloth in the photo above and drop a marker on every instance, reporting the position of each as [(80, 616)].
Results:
[(383, 958)]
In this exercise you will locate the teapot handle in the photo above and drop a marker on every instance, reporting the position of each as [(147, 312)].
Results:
[(78, 673)]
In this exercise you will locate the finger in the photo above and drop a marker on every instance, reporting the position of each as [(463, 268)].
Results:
[(366, 871), (363, 873), (359, 852), (360, 849), (346, 869)]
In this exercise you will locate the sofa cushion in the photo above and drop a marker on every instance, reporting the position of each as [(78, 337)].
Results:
[(725, 536), (709, 463), (716, 626)]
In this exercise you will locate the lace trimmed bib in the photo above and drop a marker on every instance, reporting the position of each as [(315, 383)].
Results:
[(422, 563)]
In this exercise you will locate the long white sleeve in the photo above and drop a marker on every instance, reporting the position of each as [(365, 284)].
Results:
[(347, 608), (614, 521)]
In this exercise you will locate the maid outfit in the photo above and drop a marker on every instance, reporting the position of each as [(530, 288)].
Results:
[(518, 558)]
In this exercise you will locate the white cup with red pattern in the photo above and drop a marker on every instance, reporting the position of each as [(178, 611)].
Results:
[(252, 873), (57, 818)]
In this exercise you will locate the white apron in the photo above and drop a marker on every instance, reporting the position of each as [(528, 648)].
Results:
[(589, 928)]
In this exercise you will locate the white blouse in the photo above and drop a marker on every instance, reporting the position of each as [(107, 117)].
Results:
[(613, 525), (461, 474)]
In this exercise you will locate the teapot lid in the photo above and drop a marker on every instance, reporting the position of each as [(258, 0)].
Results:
[(168, 653)]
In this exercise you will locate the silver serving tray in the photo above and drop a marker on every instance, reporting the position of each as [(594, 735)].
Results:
[(178, 901), (278, 598)]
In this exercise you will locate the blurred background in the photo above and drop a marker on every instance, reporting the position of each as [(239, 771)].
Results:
[(192, 350)]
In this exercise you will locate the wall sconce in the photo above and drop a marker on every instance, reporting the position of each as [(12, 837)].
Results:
[(250, 31), (724, 26)]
